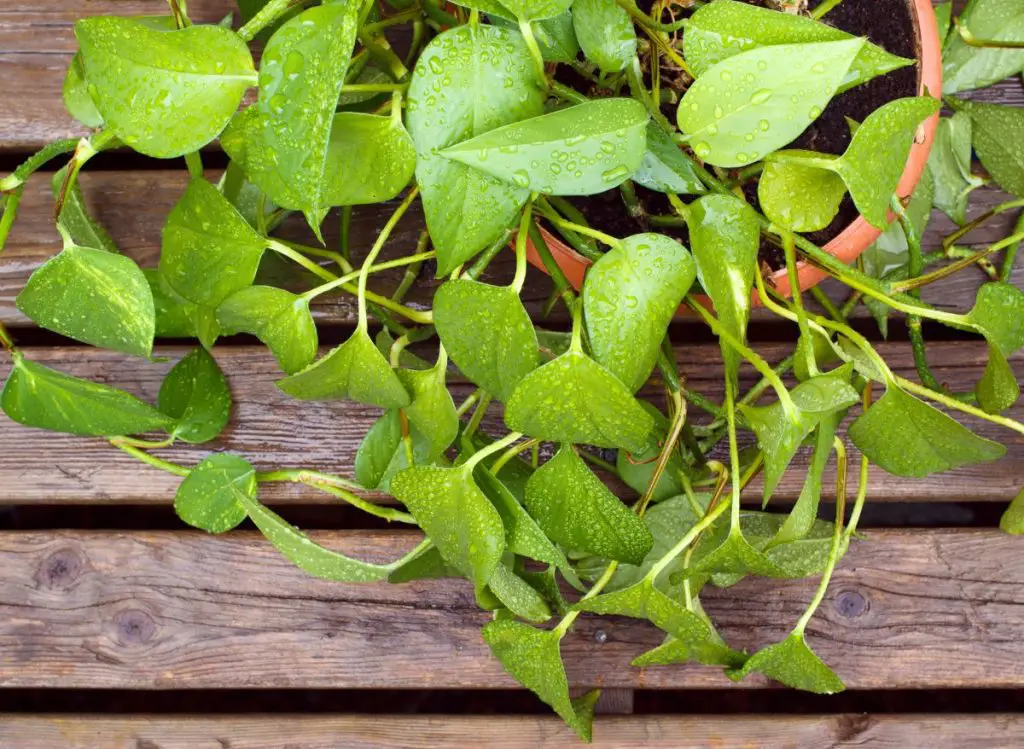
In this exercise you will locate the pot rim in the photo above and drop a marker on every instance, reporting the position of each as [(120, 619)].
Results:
[(859, 234)]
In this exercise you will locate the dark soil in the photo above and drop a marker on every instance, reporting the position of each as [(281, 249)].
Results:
[(887, 23)]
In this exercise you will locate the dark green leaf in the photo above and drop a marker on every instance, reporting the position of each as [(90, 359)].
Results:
[(209, 251), (164, 93), (196, 394), (964, 66), (429, 565), (943, 19), (997, 389), (277, 317), (451, 101), (456, 515), (355, 370), (747, 106), (93, 296), (800, 198), (38, 396), (605, 32), (999, 140), (175, 317), (800, 519), (576, 510), (212, 495), (533, 658), (736, 555), (487, 333), (664, 167), (517, 596), (630, 295), (794, 664), (907, 437), (74, 216), (725, 28), (580, 150), (382, 453)]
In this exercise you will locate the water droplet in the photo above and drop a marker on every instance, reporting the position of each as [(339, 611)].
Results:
[(435, 66), (748, 137), (726, 75), (765, 125), (632, 302), (521, 177), (278, 103), (712, 130), (294, 63), (614, 175), (741, 156), (556, 169), (702, 149), (760, 96), (607, 147), (719, 113), (818, 67), (574, 140), (762, 65), (815, 113)]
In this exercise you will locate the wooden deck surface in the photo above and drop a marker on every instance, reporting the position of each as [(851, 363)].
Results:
[(124, 606)]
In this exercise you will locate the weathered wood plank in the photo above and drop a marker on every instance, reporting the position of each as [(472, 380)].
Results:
[(995, 731), (162, 610), (275, 431)]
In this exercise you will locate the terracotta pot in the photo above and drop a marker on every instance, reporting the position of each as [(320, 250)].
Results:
[(859, 235)]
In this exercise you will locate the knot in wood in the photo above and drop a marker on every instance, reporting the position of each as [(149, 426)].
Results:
[(60, 569), (134, 627), (851, 604)]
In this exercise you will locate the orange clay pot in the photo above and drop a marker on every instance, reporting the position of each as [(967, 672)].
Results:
[(859, 235)]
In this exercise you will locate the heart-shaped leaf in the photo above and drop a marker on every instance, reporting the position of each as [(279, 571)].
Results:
[(487, 333), (664, 167), (196, 394), (164, 93), (577, 510), (84, 230), (950, 165), (355, 370), (38, 396), (725, 28), (431, 411), (749, 105), (574, 399), (794, 664), (998, 313), (580, 150), (605, 33), (629, 297), (997, 135), (997, 389), (533, 657), (283, 141), (449, 102), (212, 495), (907, 437), (799, 198), (965, 66), (456, 515), (277, 317), (93, 296), (517, 596), (209, 251)]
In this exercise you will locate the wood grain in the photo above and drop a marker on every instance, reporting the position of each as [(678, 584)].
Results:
[(275, 431), (995, 731), (908, 609)]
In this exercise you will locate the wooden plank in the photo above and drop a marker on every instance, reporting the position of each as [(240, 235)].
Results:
[(275, 431), (133, 205), (995, 731), (908, 609)]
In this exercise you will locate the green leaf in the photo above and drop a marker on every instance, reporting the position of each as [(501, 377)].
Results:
[(801, 518), (247, 198), (212, 496), (637, 469), (487, 333), (74, 216), (175, 317), (456, 515), (725, 28), (630, 295), (93, 296), (277, 317), (749, 105), (605, 33), (284, 141), (533, 658), (38, 396), (355, 370), (575, 509), (998, 137), (950, 165), (517, 595), (877, 155), (736, 555), (943, 19), (196, 394), (964, 66), (309, 556), (725, 237), (384, 341), (794, 664), (209, 251), (777, 434), (536, 10), (580, 150), (1013, 519), (382, 454), (76, 95), (164, 93), (907, 437), (429, 565), (798, 197), (997, 389), (555, 36), (998, 313), (574, 399), (431, 411), (451, 101), (664, 167)]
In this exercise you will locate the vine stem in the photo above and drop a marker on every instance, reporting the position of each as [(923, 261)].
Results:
[(957, 405), (521, 237), (10, 213), (1010, 244), (354, 275), (511, 453), (1011, 252), (789, 249), (531, 44), (151, 460), (824, 8), (494, 447), (378, 245), (5, 340), (266, 16), (675, 430), (552, 215), (37, 160)]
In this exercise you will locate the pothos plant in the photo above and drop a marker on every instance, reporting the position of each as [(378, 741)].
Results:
[(474, 122)]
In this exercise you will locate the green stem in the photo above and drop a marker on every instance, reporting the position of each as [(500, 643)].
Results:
[(478, 416), (354, 275), (538, 58), (551, 215), (150, 460), (36, 161), (390, 514), (194, 162), (511, 453), (406, 15), (950, 239), (484, 258), (145, 444), (824, 8), (956, 405), (494, 447), (370, 88), (378, 245), (1011, 251), (381, 51), (346, 230), (564, 92), (267, 15), (827, 304), (674, 431), (973, 41), (600, 462), (1012, 242), (10, 213), (709, 518), (798, 304), (467, 404), (521, 237), (283, 249), (6, 341), (554, 270)]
